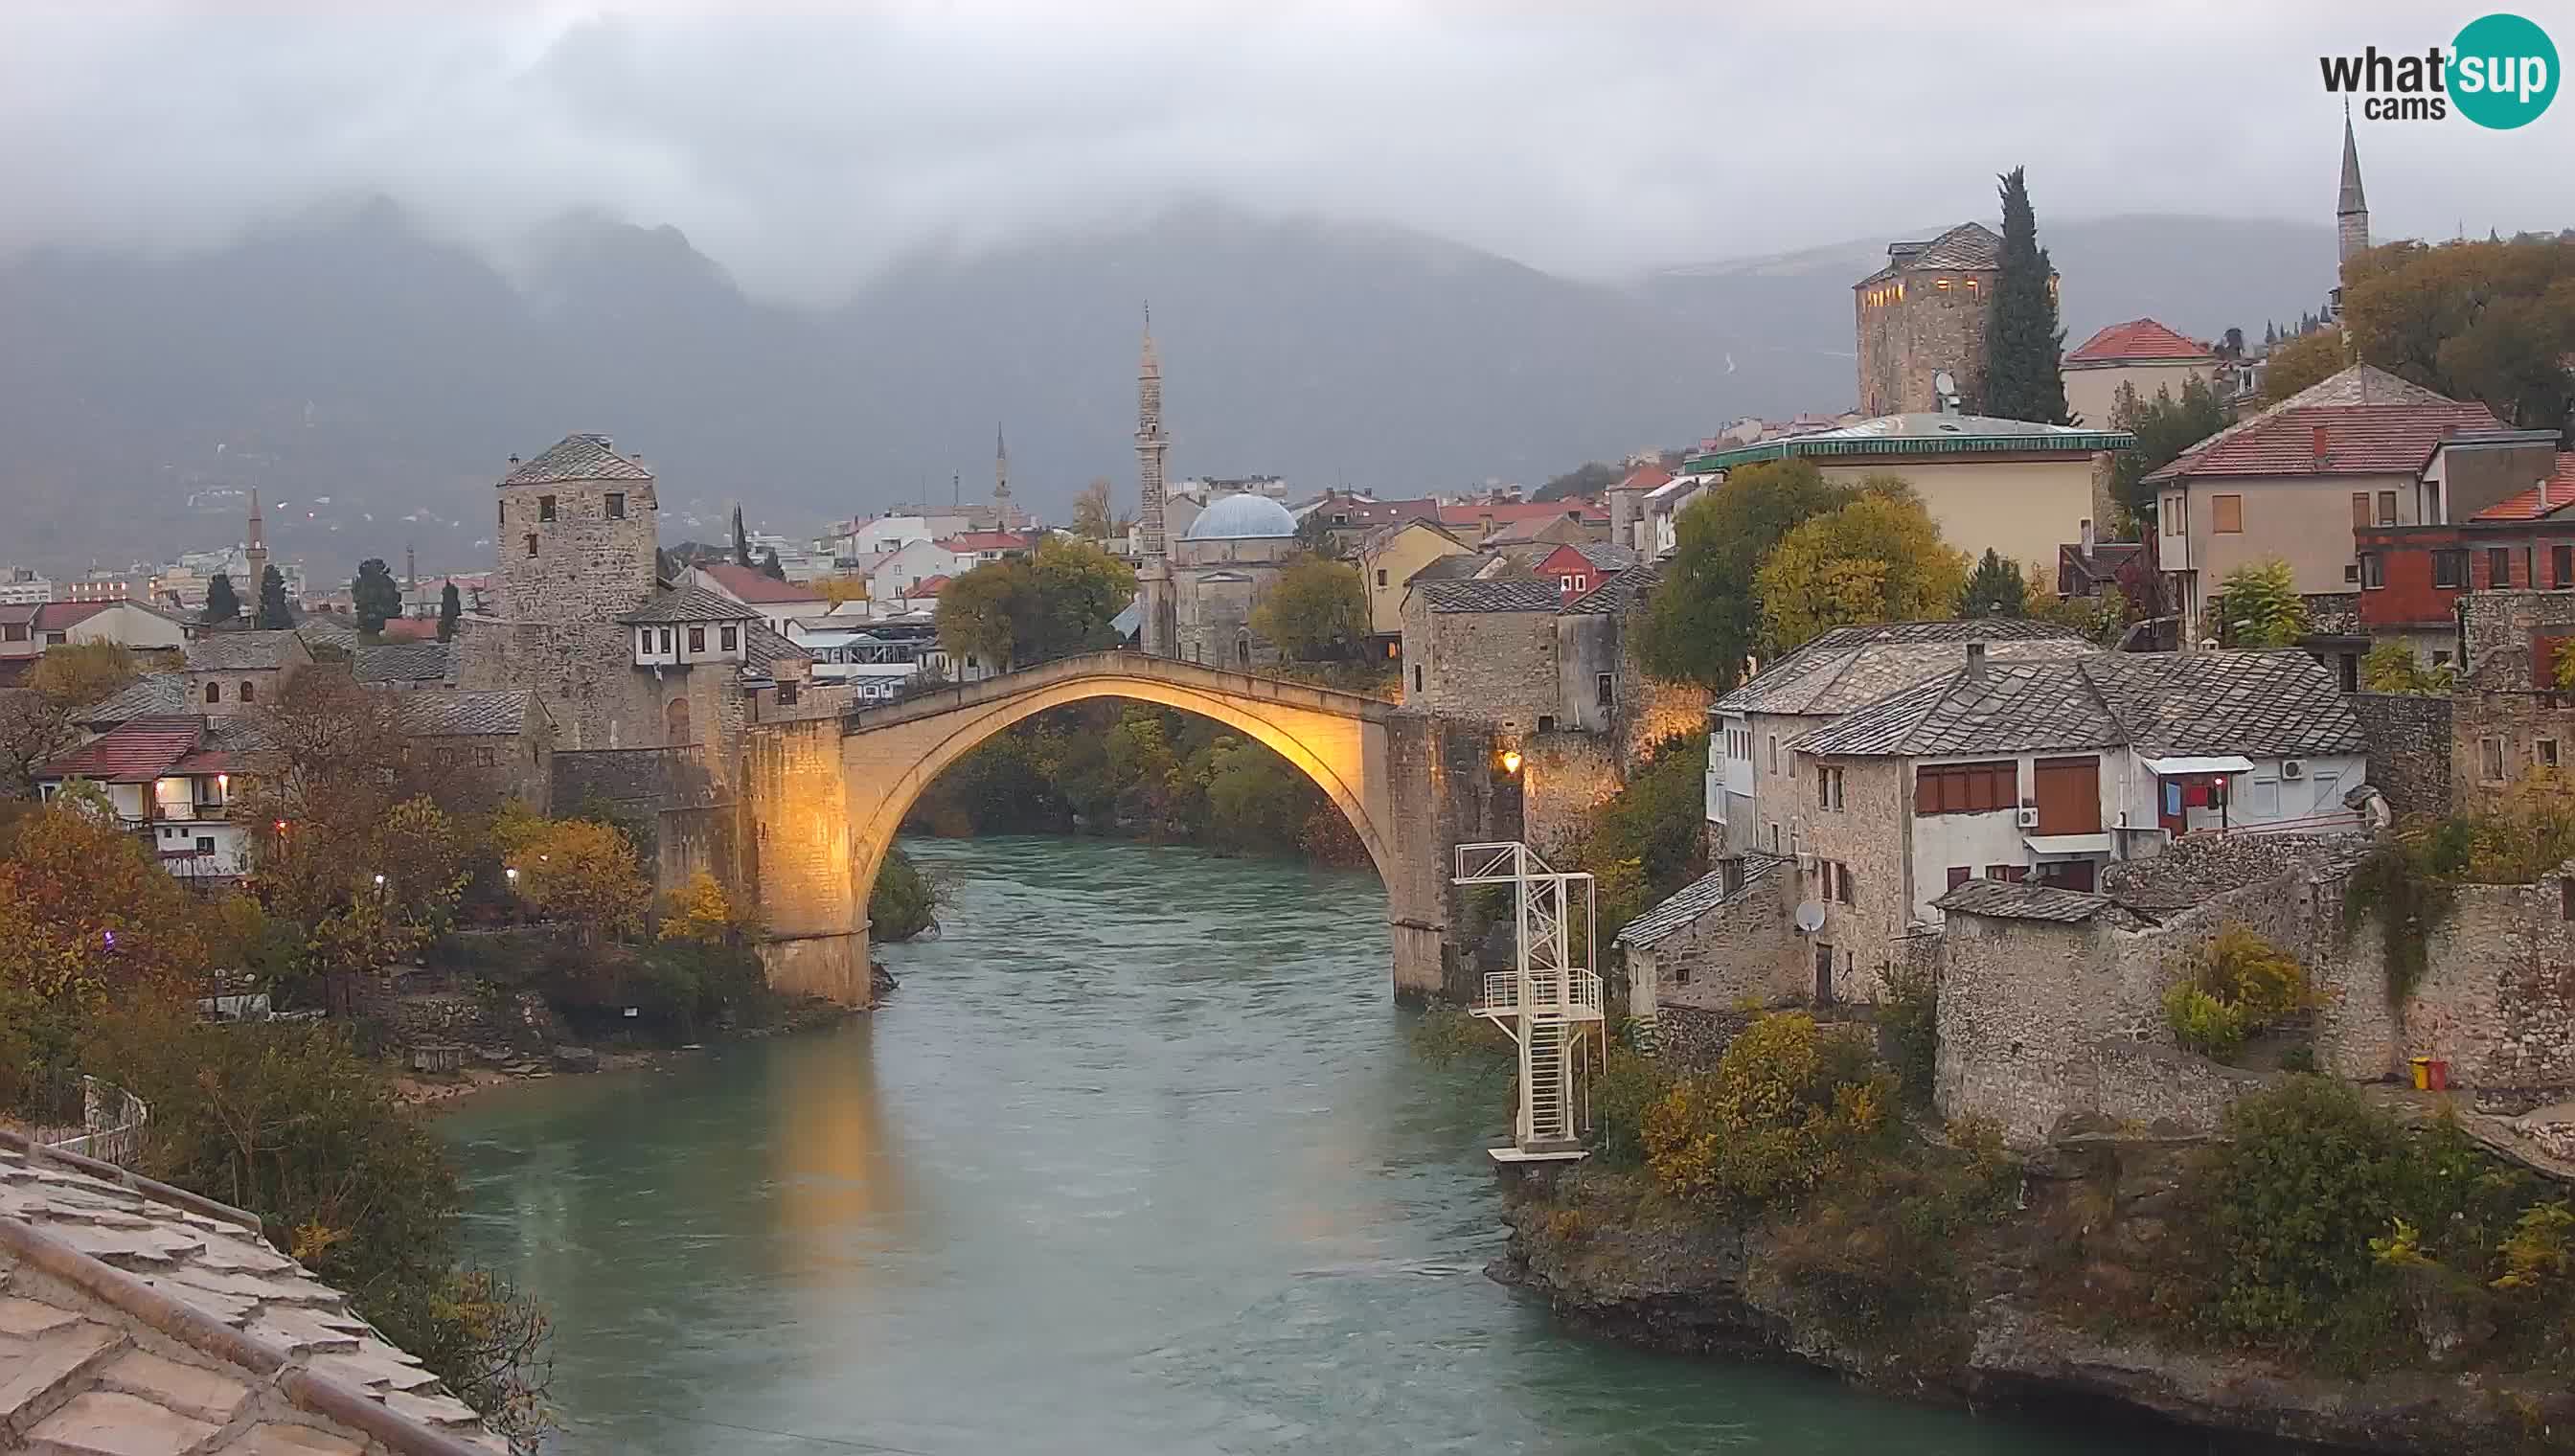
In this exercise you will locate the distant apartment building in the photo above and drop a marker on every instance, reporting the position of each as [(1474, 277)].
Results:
[(21, 587)]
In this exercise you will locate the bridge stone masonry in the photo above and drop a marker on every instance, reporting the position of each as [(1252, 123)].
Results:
[(823, 799)]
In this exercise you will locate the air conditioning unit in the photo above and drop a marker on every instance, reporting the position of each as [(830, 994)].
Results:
[(2029, 819), (2293, 767)]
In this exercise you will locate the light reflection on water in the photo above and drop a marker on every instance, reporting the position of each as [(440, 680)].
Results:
[(1137, 1159)]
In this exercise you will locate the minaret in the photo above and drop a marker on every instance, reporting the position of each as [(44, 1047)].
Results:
[(2351, 212), (1159, 625), (1000, 473), (255, 553)]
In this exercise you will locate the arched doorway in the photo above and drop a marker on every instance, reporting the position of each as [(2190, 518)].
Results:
[(674, 724)]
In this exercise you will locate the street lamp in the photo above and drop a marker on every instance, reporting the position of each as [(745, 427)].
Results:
[(1511, 760)]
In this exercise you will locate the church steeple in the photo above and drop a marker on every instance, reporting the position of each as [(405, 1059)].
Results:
[(2351, 210)]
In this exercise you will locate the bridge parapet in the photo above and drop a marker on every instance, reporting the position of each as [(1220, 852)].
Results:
[(1285, 692)]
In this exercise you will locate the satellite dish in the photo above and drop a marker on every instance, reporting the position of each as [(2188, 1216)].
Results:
[(1945, 383), (1810, 918)]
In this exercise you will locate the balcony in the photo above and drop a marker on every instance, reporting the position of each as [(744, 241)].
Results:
[(1570, 995)]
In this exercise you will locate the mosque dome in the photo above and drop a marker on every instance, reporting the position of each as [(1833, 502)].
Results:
[(1244, 517)]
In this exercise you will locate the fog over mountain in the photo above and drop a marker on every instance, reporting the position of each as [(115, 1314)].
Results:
[(350, 355)]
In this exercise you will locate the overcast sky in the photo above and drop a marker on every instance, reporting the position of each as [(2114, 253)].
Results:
[(803, 144)]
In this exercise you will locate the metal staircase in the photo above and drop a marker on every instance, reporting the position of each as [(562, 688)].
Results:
[(1550, 1003)]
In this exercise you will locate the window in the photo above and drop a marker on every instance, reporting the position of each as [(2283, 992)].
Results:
[(2498, 568), (2263, 801), (1948, 788), (1828, 786), (2007, 874), (1774, 838), (731, 636), (697, 639), (2566, 898), (2440, 659), (2545, 752), (787, 689), (666, 641), (2227, 515), (248, 691), (2351, 573), (544, 508), (2387, 507), (2449, 568), (616, 505), (2361, 520), (2177, 512), (2490, 760), (1775, 753), (532, 543), (642, 640), (1604, 689), (214, 692), (1416, 679), (205, 843), (2373, 571), (1381, 578), (505, 513), (1546, 723), (1959, 875), (1942, 285), (2561, 565)]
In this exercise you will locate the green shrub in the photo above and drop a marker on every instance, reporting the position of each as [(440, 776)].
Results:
[(2202, 1022), (905, 902), (1634, 1084), (1910, 1017), (2238, 984), (1789, 1106)]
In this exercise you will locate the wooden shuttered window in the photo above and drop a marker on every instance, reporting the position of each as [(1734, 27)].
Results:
[(2361, 519), (2227, 515), (1951, 789)]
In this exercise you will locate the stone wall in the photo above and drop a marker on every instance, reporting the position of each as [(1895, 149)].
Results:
[(583, 674), (588, 566), (2409, 749), (1904, 343), (1870, 835), (1499, 666), (1745, 949), (1445, 788), (797, 835), (1651, 712), (2497, 737), (2497, 998), (1563, 777)]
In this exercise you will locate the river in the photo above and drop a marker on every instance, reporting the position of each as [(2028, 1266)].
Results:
[(1139, 1160)]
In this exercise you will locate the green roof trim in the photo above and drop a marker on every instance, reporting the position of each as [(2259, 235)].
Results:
[(1831, 443)]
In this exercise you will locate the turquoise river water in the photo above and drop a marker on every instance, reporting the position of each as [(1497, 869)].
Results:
[(1139, 1160)]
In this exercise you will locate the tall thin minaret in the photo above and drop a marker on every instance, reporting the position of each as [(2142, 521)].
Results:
[(1159, 625), (2351, 210), (1000, 473), (255, 551)]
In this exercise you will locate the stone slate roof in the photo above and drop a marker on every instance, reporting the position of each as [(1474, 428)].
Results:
[(1455, 566), (1967, 246), (1605, 555), (140, 1318), (435, 713), (2268, 704), (1620, 592), (238, 652), (1695, 899), (762, 649), (577, 458), (690, 604), (1849, 667), (1507, 594), (2006, 900), (409, 662), (146, 695)]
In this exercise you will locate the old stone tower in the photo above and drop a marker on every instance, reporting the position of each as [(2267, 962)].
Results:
[(1924, 313), (1158, 629), (574, 553), (2351, 209)]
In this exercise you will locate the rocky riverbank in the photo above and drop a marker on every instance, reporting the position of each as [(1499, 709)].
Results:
[(2042, 1308)]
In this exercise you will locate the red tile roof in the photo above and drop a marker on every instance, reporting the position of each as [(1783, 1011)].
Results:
[(928, 587), (2538, 501), (2137, 339), (1369, 511), (62, 616), (2334, 440), (135, 751), (747, 585), (1644, 478), (414, 628)]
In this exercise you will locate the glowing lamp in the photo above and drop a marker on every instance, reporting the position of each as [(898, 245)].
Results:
[(1511, 760)]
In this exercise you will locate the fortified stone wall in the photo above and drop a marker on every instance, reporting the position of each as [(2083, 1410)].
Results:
[(1499, 666), (1651, 712), (1445, 788), (583, 673), (587, 564), (2497, 997), (1563, 777), (2409, 749), (797, 834)]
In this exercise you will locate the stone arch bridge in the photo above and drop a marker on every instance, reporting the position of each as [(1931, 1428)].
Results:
[(825, 796)]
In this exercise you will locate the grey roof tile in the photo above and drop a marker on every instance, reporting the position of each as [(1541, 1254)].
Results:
[(1695, 899), (1852, 667), (405, 662), (2006, 900), (434, 713), (1457, 567), (1620, 592), (691, 604), (236, 652), (762, 649), (2001, 708), (577, 458), (1504, 593), (153, 695)]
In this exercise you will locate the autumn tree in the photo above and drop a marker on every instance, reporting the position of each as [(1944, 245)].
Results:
[(2259, 606), (274, 612), (1702, 621), (1316, 608), (1091, 515), (1059, 599), (2024, 348), (451, 610), (221, 604), (2300, 364), (76, 675), (700, 912), (33, 728), (2165, 428), (1995, 588), (1879, 559), (837, 590), (2393, 667), (376, 595), (580, 871), (2489, 321)]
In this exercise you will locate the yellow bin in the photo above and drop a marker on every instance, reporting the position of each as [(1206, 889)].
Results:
[(2422, 1072)]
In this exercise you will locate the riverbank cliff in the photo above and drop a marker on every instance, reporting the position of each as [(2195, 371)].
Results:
[(2051, 1303)]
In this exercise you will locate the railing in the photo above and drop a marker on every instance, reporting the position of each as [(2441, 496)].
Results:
[(1576, 995), (111, 1122)]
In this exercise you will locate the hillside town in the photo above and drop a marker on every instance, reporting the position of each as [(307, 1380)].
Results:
[(2049, 760)]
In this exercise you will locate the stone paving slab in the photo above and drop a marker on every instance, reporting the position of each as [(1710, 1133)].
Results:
[(112, 1423)]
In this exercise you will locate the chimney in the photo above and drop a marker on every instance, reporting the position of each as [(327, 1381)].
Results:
[(2087, 538), (2543, 494), (2322, 449), (1975, 661)]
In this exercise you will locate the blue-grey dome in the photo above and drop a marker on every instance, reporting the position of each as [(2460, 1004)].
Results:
[(1242, 518)]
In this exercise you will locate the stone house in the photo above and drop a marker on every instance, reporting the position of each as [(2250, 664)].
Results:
[(1924, 315), (1849, 667), (1722, 940), (499, 741), (2018, 488), (2303, 479), (1483, 650), (1222, 568), (2141, 355), (2508, 718), (227, 672), (1388, 557)]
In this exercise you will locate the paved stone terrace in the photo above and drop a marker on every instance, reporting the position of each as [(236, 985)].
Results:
[(139, 1320)]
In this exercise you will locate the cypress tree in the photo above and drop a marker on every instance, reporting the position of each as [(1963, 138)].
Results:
[(740, 541), (274, 616), (375, 595), (770, 567), (1995, 588), (450, 610), (222, 605), (2024, 348)]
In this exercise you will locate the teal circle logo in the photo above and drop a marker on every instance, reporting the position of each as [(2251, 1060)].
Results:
[(2503, 71)]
